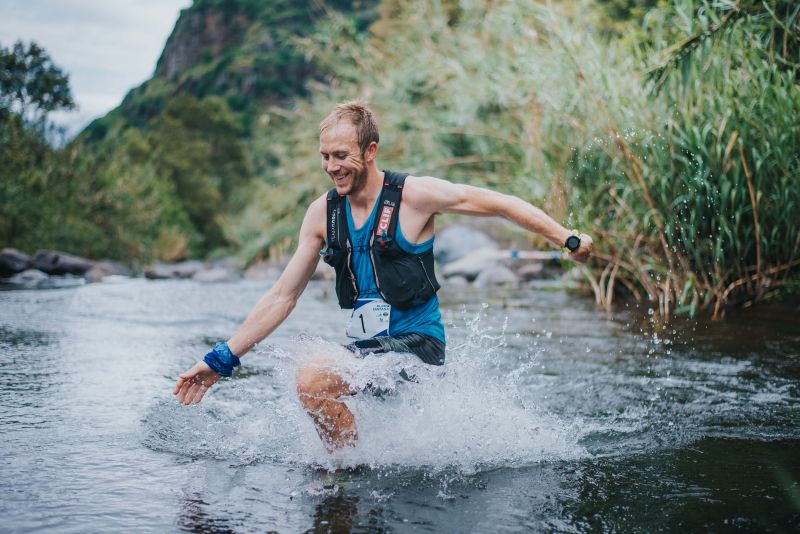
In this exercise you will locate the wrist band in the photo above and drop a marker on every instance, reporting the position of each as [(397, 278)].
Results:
[(221, 359)]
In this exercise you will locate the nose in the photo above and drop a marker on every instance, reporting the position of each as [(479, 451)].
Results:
[(331, 166)]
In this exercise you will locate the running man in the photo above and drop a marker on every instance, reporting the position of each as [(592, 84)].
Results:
[(383, 258)]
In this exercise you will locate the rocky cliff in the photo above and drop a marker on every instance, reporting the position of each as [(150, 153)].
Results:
[(245, 51)]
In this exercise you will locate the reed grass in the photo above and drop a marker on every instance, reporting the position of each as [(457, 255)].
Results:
[(680, 153)]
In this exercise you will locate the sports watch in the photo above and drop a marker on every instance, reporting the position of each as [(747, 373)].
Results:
[(573, 242)]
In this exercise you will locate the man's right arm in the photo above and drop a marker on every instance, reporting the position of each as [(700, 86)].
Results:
[(276, 305), (271, 310)]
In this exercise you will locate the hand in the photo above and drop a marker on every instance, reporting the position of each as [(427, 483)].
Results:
[(584, 251), (193, 384)]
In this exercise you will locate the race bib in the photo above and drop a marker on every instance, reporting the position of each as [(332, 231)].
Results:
[(370, 318)]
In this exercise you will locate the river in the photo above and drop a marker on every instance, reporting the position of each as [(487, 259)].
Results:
[(549, 415)]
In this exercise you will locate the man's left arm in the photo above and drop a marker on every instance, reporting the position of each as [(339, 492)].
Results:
[(434, 195)]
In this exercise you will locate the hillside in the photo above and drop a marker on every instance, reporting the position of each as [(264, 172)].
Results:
[(182, 140), (245, 51)]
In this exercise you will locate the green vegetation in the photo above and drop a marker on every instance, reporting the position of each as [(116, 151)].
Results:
[(667, 129), (679, 152), (700, 209), (160, 194)]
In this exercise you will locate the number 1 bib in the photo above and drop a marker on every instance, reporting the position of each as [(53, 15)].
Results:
[(370, 318)]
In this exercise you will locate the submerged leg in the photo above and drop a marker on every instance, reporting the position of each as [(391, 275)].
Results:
[(319, 391)]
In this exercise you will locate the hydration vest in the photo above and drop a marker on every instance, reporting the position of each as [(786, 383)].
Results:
[(403, 279)]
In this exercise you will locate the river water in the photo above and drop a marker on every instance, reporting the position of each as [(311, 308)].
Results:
[(548, 416)]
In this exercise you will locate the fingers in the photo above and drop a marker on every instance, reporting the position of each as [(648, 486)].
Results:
[(191, 386), (191, 393), (184, 392), (178, 384), (192, 390), (201, 394)]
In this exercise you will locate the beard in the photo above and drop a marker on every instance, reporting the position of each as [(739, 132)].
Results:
[(357, 182)]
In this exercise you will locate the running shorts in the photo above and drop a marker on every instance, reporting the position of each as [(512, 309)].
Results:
[(429, 349)]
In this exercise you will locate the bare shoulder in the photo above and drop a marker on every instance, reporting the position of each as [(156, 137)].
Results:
[(314, 220), (430, 194)]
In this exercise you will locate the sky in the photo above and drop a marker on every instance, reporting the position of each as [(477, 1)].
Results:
[(106, 46)]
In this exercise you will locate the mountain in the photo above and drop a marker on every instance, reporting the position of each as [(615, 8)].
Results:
[(182, 143), (245, 51)]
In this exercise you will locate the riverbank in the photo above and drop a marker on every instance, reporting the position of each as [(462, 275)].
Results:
[(465, 256)]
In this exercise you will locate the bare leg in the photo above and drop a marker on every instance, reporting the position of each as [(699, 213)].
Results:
[(319, 391)]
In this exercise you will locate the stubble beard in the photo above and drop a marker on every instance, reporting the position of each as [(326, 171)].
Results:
[(359, 180)]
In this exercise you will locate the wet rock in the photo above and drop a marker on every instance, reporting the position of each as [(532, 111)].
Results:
[(323, 272), (472, 265), (262, 270), (455, 281), (184, 269), (532, 270), (497, 275), (104, 268), (115, 267), (230, 263), (54, 262), (12, 261), (216, 274), (28, 278), (458, 241)]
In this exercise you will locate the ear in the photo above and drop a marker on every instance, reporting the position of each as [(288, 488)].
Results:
[(371, 152)]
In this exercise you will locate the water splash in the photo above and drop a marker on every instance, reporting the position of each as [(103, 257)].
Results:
[(468, 415)]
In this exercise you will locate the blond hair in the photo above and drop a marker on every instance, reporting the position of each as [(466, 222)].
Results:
[(360, 116)]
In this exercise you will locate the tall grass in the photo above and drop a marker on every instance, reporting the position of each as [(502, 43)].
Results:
[(686, 171), (705, 213)]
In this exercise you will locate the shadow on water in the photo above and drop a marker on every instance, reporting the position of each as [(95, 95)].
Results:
[(335, 513), (194, 517), (713, 485)]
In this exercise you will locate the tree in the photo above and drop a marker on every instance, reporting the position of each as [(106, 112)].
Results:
[(31, 86)]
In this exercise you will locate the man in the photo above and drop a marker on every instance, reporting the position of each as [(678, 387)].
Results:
[(383, 259)]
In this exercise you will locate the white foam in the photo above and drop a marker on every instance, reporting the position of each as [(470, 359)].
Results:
[(466, 414)]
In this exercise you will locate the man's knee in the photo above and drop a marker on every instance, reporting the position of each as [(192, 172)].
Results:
[(310, 381), (316, 383)]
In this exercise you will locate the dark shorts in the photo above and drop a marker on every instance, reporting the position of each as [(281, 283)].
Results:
[(429, 349)]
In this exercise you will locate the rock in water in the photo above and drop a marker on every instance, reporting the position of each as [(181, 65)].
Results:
[(532, 270), (216, 274), (471, 265), (12, 261), (184, 269), (459, 240), (101, 269), (496, 276), (28, 278), (54, 262)]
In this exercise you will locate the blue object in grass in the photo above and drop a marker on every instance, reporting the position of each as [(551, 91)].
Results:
[(221, 359)]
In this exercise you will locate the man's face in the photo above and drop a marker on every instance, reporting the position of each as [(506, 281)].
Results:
[(342, 159)]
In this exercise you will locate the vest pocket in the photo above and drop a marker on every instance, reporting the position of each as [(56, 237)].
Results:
[(401, 277)]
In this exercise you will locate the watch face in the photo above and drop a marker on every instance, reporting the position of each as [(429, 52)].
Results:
[(573, 243)]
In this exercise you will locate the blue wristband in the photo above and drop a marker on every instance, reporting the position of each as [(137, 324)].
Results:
[(221, 359)]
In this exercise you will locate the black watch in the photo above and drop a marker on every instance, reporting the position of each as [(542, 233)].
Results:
[(572, 243)]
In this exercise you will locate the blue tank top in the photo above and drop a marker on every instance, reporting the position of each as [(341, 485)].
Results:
[(424, 318)]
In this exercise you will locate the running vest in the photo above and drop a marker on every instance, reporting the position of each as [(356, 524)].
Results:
[(403, 279)]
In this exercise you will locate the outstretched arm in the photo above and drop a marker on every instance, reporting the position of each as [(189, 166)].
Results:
[(434, 195), (276, 305), (271, 309)]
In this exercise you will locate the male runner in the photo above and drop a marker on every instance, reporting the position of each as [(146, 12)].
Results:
[(383, 259)]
